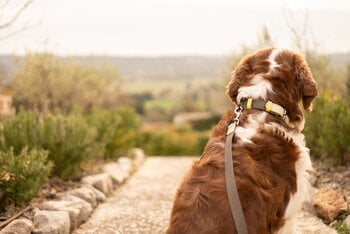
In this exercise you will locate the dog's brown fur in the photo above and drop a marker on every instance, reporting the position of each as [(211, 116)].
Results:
[(265, 167)]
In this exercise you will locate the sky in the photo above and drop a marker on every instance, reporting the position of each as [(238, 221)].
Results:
[(172, 27)]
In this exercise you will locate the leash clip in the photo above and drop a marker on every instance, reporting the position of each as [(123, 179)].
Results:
[(238, 112), (232, 126)]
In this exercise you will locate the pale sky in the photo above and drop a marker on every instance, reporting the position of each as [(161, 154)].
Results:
[(172, 27)]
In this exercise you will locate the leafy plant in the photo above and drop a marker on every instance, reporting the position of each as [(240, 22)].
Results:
[(21, 175), (327, 129), (341, 226), (68, 139), (173, 140), (74, 138), (117, 130)]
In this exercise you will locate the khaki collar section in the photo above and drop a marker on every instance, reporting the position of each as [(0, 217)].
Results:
[(268, 106)]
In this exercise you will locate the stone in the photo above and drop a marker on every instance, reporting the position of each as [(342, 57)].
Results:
[(51, 222), (313, 178), (18, 226), (138, 156), (78, 209), (307, 223), (86, 193), (329, 204), (346, 174), (325, 180), (125, 164), (347, 222), (102, 182), (100, 196), (117, 174), (84, 207)]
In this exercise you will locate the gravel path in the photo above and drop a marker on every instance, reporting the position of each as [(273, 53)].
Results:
[(143, 204)]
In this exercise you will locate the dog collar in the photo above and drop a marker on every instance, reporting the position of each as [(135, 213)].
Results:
[(267, 106)]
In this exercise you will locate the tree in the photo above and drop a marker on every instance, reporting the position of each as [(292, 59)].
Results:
[(330, 81), (45, 83), (8, 29), (7, 23)]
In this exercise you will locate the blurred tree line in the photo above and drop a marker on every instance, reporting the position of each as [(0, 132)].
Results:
[(45, 83)]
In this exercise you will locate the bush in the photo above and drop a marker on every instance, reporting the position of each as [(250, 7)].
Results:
[(73, 139), (328, 127), (173, 140), (69, 140), (117, 131), (205, 124), (21, 175), (126, 133)]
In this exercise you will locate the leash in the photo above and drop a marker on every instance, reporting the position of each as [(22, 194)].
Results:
[(232, 192)]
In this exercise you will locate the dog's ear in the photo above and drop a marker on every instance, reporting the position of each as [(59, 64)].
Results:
[(307, 83), (243, 68)]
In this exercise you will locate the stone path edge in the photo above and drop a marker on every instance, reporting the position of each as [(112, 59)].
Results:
[(74, 207)]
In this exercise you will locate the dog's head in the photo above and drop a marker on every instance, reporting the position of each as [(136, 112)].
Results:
[(280, 76)]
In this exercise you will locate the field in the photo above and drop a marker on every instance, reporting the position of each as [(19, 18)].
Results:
[(159, 87)]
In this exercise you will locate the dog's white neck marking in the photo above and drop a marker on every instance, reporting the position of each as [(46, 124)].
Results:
[(260, 86), (272, 60), (258, 89)]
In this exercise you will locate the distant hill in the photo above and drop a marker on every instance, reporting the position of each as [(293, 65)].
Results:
[(163, 68), (157, 68), (8, 67), (145, 68), (340, 59)]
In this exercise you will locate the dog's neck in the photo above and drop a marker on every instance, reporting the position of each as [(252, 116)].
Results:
[(270, 107), (267, 106)]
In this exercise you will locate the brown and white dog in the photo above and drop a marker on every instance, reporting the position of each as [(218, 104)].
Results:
[(270, 160)]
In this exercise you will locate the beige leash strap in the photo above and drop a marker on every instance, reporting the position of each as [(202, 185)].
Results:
[(232, 192)]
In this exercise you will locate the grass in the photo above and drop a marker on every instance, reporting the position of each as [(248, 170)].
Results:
[(162, 104), (341, 226)]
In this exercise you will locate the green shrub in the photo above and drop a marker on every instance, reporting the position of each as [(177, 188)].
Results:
[(341, 226), (126, 134), (117, 130), (21, 175), (328, 127), (72, 139), (69, 139), (173, 140), (21, 131), (205, 124), (105, 123)]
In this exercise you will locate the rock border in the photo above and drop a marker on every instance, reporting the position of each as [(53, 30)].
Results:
[(74, 207)]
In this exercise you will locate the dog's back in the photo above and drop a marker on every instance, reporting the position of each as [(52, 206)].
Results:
[(265, 177), (269, 155)]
